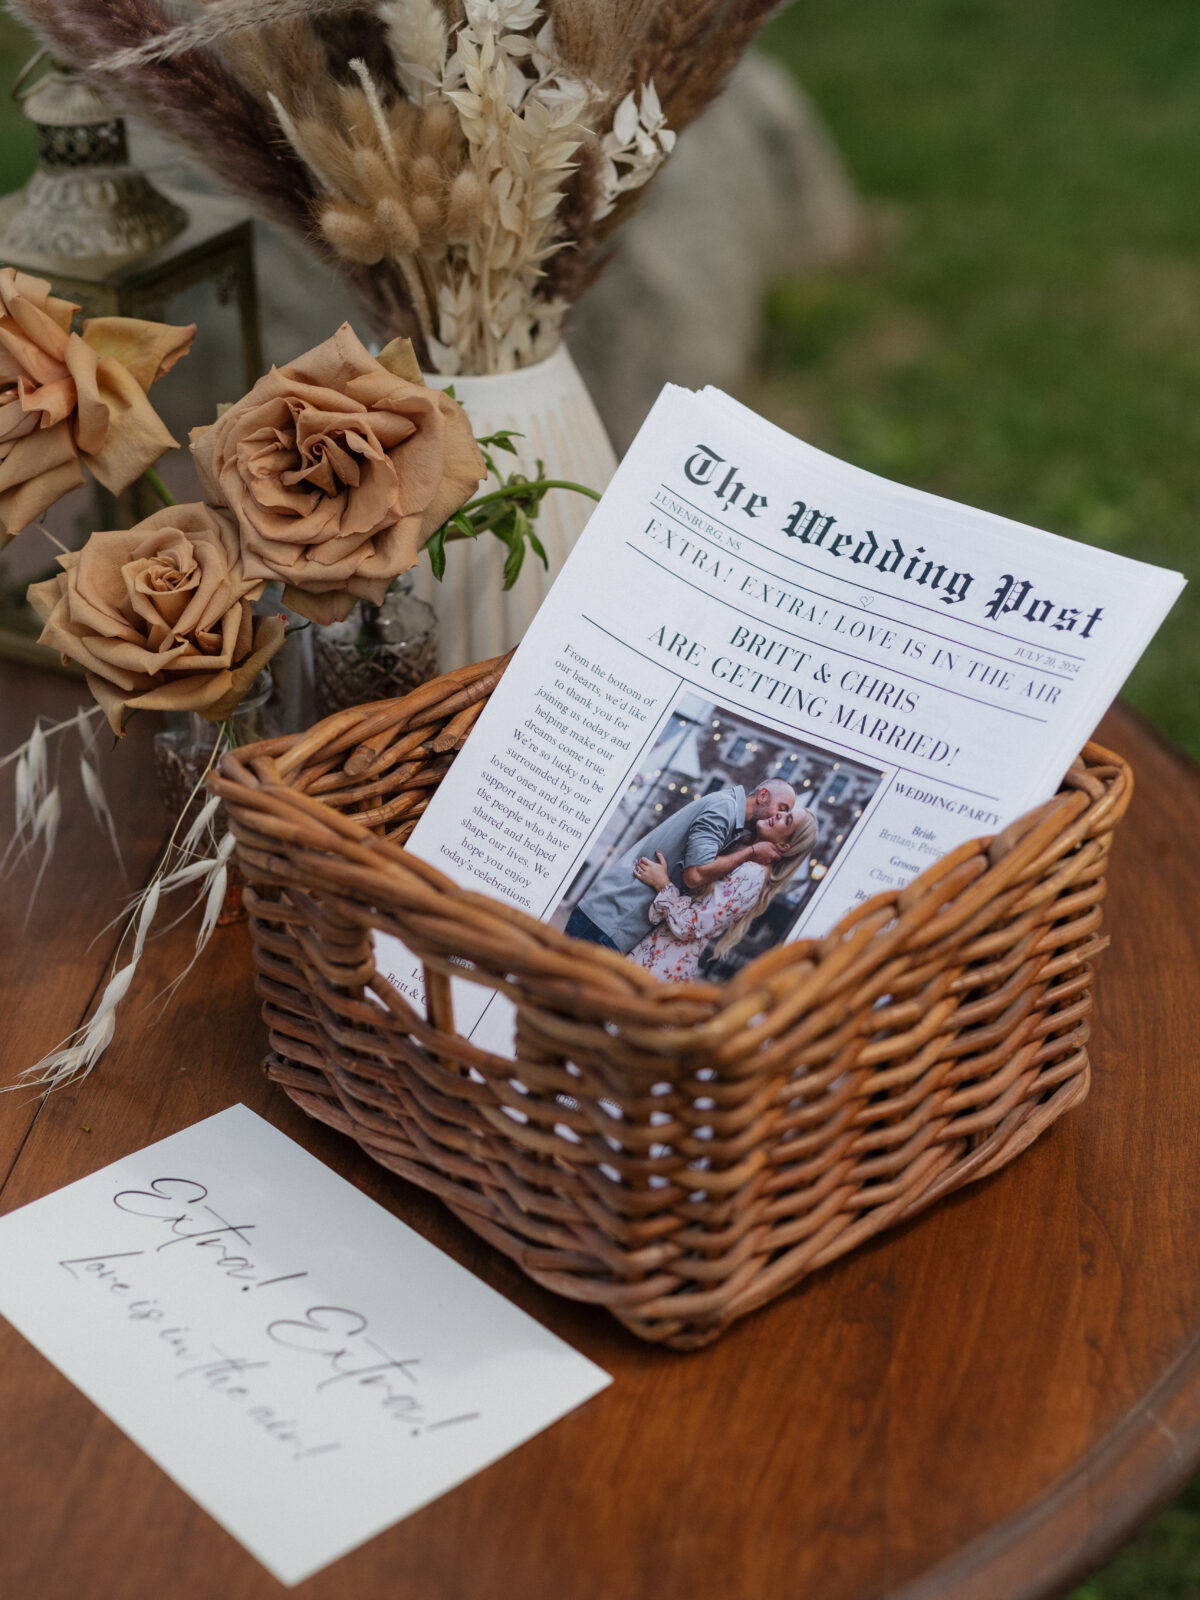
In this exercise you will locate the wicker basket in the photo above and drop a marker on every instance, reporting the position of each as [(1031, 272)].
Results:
[(679, 1153)]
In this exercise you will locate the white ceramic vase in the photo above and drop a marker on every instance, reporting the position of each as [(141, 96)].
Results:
[(550, 407)]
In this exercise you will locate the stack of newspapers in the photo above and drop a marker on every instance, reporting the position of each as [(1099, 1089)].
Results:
[(766, 686)]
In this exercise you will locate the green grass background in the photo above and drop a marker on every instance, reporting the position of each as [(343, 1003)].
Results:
[(1024, 332)]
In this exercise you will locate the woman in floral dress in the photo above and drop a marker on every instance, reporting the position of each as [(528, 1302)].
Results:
[(682, 926)]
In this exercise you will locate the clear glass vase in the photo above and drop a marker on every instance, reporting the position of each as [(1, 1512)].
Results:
[(377, 653), (291, 705), (183, 750)]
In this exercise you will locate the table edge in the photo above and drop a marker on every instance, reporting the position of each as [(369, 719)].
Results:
[(1110, 1492), (1120, 1483)]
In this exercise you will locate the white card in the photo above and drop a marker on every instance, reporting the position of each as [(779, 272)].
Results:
[(304, 1365)]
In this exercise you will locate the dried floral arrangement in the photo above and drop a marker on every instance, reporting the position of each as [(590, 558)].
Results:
[(325, 481), (464, 163)]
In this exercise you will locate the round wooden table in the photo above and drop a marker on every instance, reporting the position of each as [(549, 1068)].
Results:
[(979, 1406)]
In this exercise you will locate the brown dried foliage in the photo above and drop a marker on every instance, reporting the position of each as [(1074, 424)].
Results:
[(597, 40), (421, 202), (357, 34)]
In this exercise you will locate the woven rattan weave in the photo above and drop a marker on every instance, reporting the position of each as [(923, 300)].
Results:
[(679, 1153)]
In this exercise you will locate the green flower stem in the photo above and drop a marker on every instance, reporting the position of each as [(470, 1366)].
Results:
[(538, 485), (159, 487), (509, 512), (495, 504)]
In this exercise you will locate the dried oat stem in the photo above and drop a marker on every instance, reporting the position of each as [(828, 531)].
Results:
[(179, 866)]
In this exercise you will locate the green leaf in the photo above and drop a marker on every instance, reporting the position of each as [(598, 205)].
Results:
[(436, 546), (513, 563), (500, 440)]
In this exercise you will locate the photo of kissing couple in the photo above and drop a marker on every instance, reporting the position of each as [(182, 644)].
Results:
[(723, 835)]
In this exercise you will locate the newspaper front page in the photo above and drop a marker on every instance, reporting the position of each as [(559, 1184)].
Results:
[(783, 683)]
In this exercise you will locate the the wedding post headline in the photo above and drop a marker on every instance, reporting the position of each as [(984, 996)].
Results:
[(794, 678)]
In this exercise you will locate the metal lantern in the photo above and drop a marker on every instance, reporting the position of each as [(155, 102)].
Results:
[(85, 200), (105, 236)]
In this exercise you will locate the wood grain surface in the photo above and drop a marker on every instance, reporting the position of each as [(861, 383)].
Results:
[(978, 1406)]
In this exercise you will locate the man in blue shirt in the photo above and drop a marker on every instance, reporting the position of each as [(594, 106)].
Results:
[(699, 842)]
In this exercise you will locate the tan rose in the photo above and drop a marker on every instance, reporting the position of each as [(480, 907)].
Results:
[(338, 468), (160, 615), (68, 397)]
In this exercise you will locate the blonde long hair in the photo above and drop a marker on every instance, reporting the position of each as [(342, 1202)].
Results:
[(775, 879)]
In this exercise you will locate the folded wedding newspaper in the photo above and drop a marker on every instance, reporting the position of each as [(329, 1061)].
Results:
[(766, 686)]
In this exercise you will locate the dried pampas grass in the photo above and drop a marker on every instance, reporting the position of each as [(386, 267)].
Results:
[(464, 163)]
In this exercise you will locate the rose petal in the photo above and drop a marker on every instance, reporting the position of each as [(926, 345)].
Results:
[(33, 338), (392, 552), (47, 403), (39, 450), (15, 420), (99, 602), (212, 545), (44, 596), (51, 602), (110, 702), (269, 634), (160, 585), (21, 356), (136, 435), (147, 350), (372, 589), (35, 473), (60, 312), (320, 608), (200, 445), (15, 286), (92, 420), (400, 359), (334, 363), (464, 470), (214, 695)]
